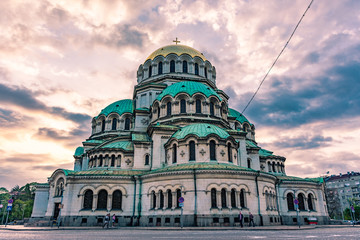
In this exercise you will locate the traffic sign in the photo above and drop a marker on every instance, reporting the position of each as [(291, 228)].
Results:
[(181, 204), (10, 204), (8, 208), (181, 199), (10, 201), (296, 201)]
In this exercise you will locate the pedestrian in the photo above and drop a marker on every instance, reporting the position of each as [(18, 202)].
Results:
[(241, 219), (107, 219), (251, 220), (113, 220)]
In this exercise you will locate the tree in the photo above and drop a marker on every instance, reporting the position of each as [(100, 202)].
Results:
[(23, 201)]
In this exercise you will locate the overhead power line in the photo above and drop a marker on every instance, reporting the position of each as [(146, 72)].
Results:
[(292, 34)]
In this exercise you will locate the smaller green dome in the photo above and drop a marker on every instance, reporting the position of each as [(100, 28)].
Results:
[(120, 107), (200, 130), (239, 117), (188, 87), (79, 151)]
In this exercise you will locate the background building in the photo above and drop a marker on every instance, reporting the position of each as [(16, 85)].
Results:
[(342, 191), (176, 137)]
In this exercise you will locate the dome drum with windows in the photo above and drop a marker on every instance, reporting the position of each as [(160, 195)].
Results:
[(176, 137)]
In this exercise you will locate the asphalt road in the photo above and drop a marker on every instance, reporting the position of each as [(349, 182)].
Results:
[(318, 233)]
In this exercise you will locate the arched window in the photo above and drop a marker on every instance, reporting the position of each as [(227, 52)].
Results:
[(178, 195), (174, 154), (223, 198), (113, 125), (147, 160), (229, 152), (301, 202), (212, 110), (150, 71), (185, 67), (88, 199), (59, 189), (95, 161), (161, 195), (182, 106), (117, 199), (103, 125), (153, 200), (168, 109), (198, 105), (242, 198), (205, 71), (160, 70), (267, 199), (112, 161), (233, 198), (169, 195), (245, 128), (102, 199), (127, 123), (212, 150), (100, 161), (191, 151), (269, 166), (249, 163), (290, 201), (213, 198), (310, 202), (273, 167), (196, 69), (172, 66), (158, 112), (278, 167)]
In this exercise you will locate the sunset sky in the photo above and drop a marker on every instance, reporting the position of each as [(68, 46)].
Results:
[(61, 62)]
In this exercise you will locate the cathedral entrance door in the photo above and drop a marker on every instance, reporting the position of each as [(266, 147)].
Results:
[(56, 210)]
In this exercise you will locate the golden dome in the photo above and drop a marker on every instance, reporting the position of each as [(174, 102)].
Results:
[(178, 50)]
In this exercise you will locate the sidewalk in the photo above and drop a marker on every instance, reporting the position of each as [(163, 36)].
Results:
[(263, 228)]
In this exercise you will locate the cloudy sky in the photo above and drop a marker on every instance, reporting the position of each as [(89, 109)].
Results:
[(61, 62)]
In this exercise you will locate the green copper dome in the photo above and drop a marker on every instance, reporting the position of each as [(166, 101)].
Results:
[(79, 151), (200, 130), (178, 50), (239, 117), (120, 107), (188, 87)]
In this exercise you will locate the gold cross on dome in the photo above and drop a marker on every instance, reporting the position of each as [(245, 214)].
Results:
[(176, 41)]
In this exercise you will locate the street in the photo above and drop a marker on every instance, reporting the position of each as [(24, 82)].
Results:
[(318, 233)]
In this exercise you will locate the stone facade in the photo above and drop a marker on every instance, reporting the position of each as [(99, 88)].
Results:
[(176, 138)]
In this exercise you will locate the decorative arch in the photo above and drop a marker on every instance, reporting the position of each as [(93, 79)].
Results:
[(119, 187)]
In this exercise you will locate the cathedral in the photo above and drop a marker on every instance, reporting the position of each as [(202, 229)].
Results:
[(176, 139)]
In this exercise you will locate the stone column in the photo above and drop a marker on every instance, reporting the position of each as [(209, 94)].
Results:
[(109, 202), (228, 199), (218, 199), (165, 199), (174, 200), (151, 200), (94, 203), (157, 200), (237, 199)]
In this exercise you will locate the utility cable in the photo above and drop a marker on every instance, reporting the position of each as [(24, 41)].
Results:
[(292, 34)]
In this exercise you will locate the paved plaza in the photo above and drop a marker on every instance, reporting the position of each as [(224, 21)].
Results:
[(208, 233)]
